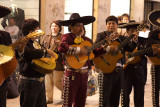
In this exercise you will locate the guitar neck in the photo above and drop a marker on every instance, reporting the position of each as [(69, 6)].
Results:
[(143, 51), (14, 45), (125, 42), (96, 45)]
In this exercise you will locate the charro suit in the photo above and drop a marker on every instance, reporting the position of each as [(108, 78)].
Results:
[(5, 39), (111, 83)]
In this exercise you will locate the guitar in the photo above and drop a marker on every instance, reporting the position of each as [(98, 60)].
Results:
[(78, 61), (132, 60), (155, 60), (44, 65), (107, 62), (8, 62)]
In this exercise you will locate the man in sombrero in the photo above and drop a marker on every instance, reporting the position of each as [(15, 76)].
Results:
[(5, 39), (135, 73), (75, 80), (154, 19)]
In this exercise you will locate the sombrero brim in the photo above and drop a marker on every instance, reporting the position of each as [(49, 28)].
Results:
[(4, 11), (154, 17), (121, 24), (129, 25), (85, 20)]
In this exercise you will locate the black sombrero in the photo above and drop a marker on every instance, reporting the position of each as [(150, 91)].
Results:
[(4, 11), (131, 24), (75, 18), (154, 17)]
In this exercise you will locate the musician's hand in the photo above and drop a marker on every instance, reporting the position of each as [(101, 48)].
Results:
[(158, 51), (113, 49), (155, 50), (57, 42), (83, 51), (51, 53)]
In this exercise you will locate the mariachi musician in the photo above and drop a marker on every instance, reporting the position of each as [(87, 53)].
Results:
[(31, 86), (5, 39), (111, 83), (154, 19), (135, 73)]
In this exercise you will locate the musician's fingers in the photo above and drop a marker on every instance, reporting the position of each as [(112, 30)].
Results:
[(155, 49)]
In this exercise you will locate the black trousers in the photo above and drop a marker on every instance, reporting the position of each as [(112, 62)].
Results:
[(155, 73), (32, 93), (134, 76), (3, 94), (112, 83)]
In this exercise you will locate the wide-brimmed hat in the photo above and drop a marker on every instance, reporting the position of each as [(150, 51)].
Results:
[(154, 17), (75, 18), (4, 11), (131, 24)]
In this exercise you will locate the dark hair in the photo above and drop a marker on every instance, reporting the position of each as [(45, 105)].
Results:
[(57, 23), (29, 25), (119, 18), (71, 25), (111, 18), (125, 15)]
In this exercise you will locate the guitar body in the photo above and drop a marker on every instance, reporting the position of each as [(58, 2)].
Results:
[(107, 62), (73, 61), (132, 60), (154, 60), (6, 69), (44, 65), (8, 62)]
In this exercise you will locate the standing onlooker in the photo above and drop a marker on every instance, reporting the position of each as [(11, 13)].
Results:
[(52, 41), (124, 19), (134, 74), (12, 29)]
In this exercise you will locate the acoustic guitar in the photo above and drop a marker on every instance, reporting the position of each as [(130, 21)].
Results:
[(132, 60), (107, 62), (44, 65), (78, 61), (8, 62), (155, 60)]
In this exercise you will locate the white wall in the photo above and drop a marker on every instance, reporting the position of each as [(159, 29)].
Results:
[(83, 7), (118, 7)]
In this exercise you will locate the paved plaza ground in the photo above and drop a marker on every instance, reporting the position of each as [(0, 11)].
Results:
[(93, 100)]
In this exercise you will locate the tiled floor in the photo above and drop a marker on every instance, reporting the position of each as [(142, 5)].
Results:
[(93, 100)]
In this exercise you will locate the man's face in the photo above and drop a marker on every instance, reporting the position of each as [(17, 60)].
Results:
[(11, 22), (131, 30), (77, 29), (35, 38), (111, 26)]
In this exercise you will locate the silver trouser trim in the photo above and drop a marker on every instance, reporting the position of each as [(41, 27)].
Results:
[(153, 85), (65, 91), (122, 99), (101, 89)]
